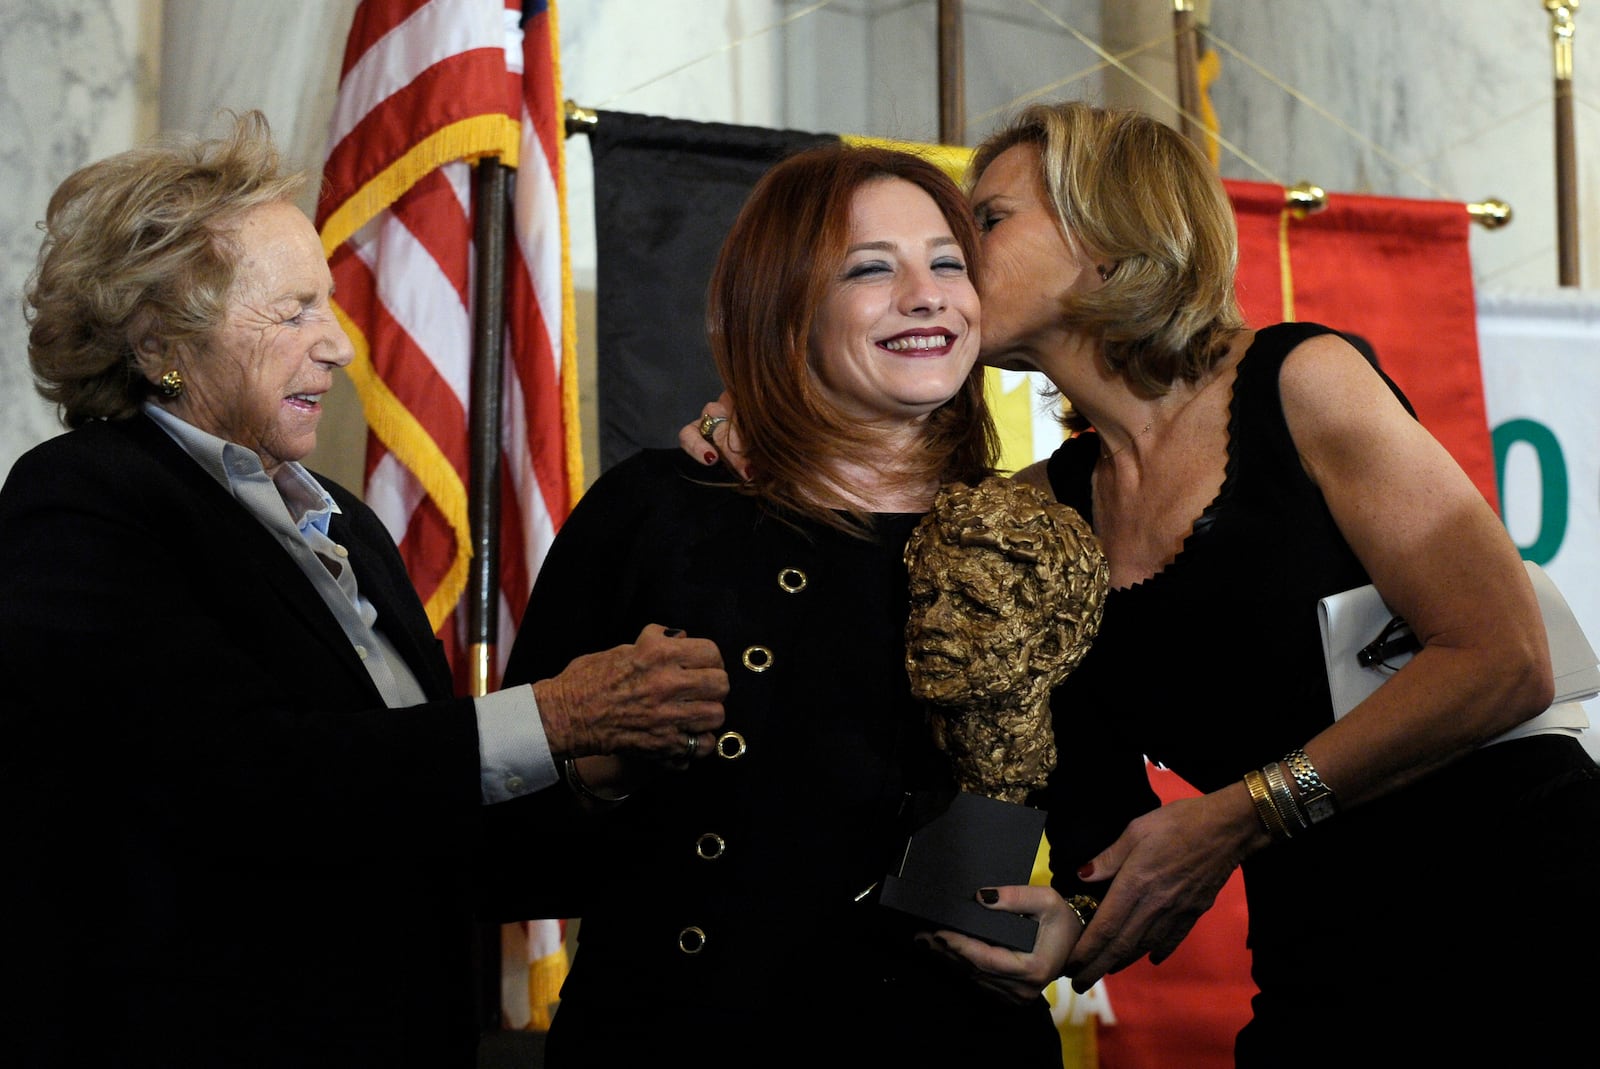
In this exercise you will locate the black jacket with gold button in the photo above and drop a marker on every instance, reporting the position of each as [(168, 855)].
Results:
[(735, 889)]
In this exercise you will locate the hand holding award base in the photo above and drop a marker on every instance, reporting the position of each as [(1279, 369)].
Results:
[(1007, 589)]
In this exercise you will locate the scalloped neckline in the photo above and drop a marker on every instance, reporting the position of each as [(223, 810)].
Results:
[(1224, 491)]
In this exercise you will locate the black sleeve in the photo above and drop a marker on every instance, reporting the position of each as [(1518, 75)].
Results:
[(583, 601), (159, 645)]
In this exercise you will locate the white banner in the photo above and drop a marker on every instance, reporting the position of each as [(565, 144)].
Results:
[(1541, 381)]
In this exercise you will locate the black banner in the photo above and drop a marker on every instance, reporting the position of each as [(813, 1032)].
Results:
[(666, 192)]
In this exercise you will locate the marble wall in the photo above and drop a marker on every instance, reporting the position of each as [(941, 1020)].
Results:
[(77, 82), (1431, 99), (1439, 99)]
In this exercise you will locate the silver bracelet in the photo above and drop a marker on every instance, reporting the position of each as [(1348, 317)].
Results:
[(1282, 796), (569, 772), (1316, 798)]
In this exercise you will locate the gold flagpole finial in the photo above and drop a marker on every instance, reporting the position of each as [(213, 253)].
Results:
[(1563, 26), (1491, 214), (1306, 197), (580, 120)]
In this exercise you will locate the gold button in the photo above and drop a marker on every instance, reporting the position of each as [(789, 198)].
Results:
[(730, 744), (758, 658), (791, 580), (692, 940), (709, 846)]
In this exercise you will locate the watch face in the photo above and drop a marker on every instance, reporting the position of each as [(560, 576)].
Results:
[(1319, 807)]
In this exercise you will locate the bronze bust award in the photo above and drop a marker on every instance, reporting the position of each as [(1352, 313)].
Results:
[(1007, 589)]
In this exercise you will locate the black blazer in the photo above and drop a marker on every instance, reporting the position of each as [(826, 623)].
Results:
[(722, 906), (224, 848)]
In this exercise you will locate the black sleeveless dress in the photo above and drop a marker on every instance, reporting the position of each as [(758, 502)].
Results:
[(1430, 922)]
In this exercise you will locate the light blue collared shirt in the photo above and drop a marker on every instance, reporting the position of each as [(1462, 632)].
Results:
[(514, 755)]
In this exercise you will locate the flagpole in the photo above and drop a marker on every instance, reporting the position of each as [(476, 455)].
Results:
[(1562, 28), (1188, 65), (481, 600), (952, 75)]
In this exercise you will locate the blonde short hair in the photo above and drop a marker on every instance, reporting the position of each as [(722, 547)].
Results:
[(1142, 196), (138, 250)]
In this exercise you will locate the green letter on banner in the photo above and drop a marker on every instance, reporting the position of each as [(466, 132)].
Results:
[(1552, 482)]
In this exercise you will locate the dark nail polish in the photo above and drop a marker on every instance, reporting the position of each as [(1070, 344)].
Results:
[(1086, 871), (673, 632), (989, 896), (709, 458)]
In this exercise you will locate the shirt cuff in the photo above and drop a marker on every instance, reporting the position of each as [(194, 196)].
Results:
[(515, 758)]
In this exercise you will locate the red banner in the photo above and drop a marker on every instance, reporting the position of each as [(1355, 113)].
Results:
[(1187, 1010), (1396, 272)]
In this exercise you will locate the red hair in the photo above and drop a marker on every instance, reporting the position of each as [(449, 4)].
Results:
[(775, 269)]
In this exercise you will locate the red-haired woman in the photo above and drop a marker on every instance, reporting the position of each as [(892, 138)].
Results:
[(726, 913)]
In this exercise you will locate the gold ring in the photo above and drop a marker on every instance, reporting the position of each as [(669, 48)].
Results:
[(1084, 906), (708, 428)]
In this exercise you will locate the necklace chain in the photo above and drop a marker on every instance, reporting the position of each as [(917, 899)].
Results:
[(1105, 456)]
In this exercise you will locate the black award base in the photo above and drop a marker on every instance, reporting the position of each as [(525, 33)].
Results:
[(960, 842)]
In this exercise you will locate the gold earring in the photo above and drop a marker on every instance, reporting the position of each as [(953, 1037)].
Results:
[(171, 383), (1104, 271)]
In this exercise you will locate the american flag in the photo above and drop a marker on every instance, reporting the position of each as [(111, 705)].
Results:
[(427, 88)]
